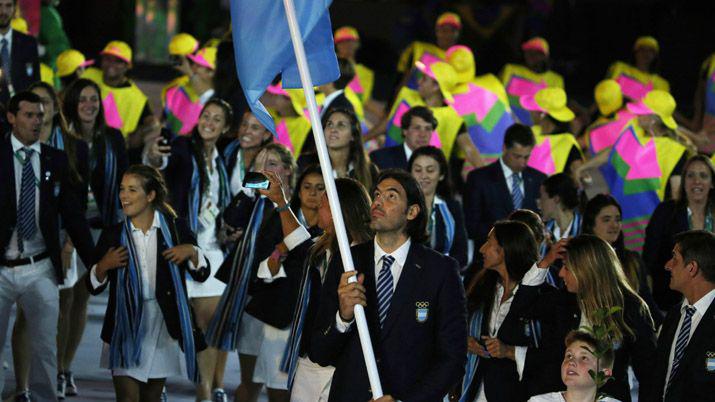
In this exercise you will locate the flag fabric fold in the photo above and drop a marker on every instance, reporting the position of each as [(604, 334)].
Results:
[(263, 47)]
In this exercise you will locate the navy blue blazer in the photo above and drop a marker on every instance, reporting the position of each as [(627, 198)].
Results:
[(419, 358), (487, 198), (695, 379), (390, 157), (541, 372), (165, 289), (667, 220), (24, 63), (58, 198)]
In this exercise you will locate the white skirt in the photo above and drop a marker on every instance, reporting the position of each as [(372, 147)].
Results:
[(267, 343), (312, 382), (77, 268), (160, 354), (212, 286)]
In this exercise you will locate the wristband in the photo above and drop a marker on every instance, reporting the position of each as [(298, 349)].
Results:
[(283, 208)]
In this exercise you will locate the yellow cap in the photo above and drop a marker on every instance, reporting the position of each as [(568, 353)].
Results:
[(345, 33), (450, 19), (205, 57), (443, 73), (182, 44), (551, 101), (659, 103), (646, 41), (69, 61), (20, 25), (461, 58), (609, 97), (538, 44), (118, 49)]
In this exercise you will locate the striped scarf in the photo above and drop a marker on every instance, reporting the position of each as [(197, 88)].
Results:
[(110, 208), (449, 225), (470, 369), (56, 139), (289, 362), (224, 196), (223, 329), (125, 348)]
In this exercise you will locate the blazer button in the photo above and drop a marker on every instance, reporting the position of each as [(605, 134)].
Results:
[(168, 292)]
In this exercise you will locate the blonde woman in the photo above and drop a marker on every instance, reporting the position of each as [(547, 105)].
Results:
[(591, 270)]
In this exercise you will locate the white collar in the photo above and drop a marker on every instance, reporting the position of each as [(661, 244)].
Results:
[(330, 98), (400, 254), (701, 306), (17, 145), (408, 151), (8, 37), (154, 225), (506, 169)]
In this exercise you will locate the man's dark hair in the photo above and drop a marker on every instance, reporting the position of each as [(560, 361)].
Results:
[(347, 73), (416, 228), (418, 111), (519, 134), (698, 246), (23, 96)]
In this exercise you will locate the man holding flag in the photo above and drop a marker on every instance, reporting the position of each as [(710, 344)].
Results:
[(414, 303)]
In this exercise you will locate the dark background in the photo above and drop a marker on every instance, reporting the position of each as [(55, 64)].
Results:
[(585, 35)]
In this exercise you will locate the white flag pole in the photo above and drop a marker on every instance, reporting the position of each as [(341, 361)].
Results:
[(332, 193)]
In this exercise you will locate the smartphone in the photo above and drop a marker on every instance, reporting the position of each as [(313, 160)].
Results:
[(256, 180), (165, 137)]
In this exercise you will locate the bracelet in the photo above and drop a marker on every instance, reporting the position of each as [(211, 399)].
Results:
[(283, 208)]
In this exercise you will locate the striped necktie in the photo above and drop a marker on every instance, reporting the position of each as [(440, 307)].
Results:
[(681, 343), (385, 287), (26, 209), (517, 196)]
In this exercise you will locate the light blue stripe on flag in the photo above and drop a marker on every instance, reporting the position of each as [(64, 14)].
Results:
[(264, 50)]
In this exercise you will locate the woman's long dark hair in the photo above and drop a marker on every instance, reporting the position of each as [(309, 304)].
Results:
[(355, 207), (520, 253), (68, 137), (197, 143), (444, 187), (358, 157), (629, 260)]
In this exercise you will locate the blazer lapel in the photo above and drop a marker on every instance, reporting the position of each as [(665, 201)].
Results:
[(46, 181), (403, 292)]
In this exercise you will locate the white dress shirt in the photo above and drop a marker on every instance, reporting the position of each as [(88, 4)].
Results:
[(701, 306), (239, 171), (145, 245), (507, 175), (400, 256), (535, 276), (408, 151), (36, 244)]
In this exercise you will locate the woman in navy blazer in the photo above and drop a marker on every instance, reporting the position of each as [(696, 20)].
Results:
[(693, 210), (167, 319), (447, 234), (508, 348)]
